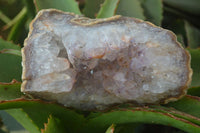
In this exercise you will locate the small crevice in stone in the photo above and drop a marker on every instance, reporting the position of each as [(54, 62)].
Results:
[(62, 53)]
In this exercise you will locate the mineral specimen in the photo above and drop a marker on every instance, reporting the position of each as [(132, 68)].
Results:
[(94, 63)]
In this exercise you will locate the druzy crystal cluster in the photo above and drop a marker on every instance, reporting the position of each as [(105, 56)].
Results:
[(95, 63)]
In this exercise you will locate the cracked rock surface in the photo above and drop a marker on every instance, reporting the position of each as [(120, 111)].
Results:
[(94, 63)]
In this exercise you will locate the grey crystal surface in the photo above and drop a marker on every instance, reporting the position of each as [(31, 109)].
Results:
[(95, 63)]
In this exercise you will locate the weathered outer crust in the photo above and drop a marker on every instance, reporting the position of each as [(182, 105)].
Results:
[(182, 90)]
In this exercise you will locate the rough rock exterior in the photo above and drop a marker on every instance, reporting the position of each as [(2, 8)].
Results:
[(94, 63)]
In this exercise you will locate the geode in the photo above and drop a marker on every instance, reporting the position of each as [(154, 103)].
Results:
[(95, 63)]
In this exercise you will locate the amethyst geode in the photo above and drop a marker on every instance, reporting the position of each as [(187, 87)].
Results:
[(95, 63)]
